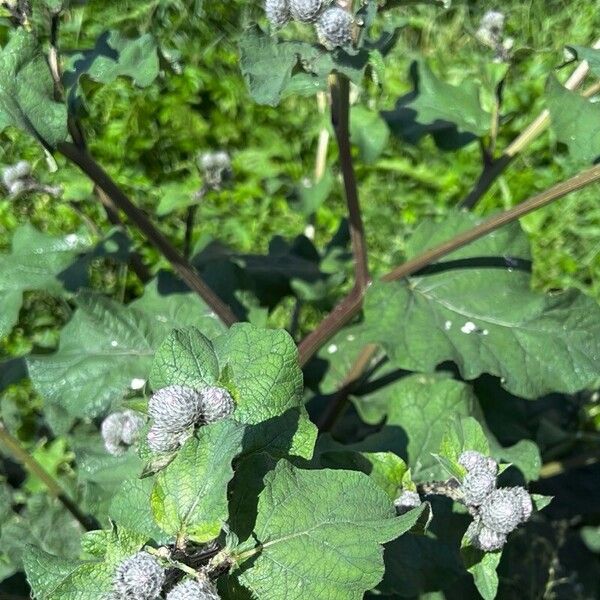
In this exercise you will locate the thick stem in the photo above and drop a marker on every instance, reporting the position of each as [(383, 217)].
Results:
[(340, 118), (335, 408), (55, 489), (112, 214), (350, 306), (183, 268)]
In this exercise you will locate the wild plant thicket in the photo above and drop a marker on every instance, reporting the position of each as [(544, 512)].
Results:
[(386, 442)]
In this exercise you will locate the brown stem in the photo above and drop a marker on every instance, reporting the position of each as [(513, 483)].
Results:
[(335, 408), (31, 465), (183, 268), (340, 118), (112, 214), (350, 306)]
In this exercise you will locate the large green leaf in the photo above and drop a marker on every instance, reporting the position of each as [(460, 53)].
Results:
[(185, 358), (439, 103), (591, 55), (54, 578), (575, 120), (114, 56), (318, 535), (35, 263), (425, 411), (170, 305), (477, 309), (274, 69), (27, 91), (260, 367), (42, 521), (104, 350), (107, 349), (189, 498)]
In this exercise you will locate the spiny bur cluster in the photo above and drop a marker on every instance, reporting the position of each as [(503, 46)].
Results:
[(193, 590), (496, 512), (120, 430), (139, 577), (216, 168), (176, 410), (333, 24), (407, 500), (18, 179)]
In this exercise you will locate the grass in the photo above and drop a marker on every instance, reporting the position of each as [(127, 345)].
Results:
[(150, 137)]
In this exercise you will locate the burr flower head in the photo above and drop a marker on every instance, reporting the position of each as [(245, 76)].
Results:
[(120, 430), (161, 441), (216, 404), (306, 11), (193, 590), (476, 486), (334, 28), (504, 509), (175, 408), (278, 12), (470, 460), (489, 540), (406, 501), (12, 174), (139, 577)]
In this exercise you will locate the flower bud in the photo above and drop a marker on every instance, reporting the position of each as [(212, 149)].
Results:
[(193, 590), (488, 540), (306, 11), (334, 28), (139, 577), (161, 441), (12, 174), (278, 12), (406, 501), (503, 510), (175, 408), (216, 404), (476, 486), (470, 459), (120, 430)]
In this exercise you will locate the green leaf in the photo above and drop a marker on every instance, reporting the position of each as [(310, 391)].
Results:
[(267, 64), (130, 508), (177, 195), (27, 91), (42, 521), (54, 578), (185, 358), (485, 318), (386, 469), (319, 535), (36, 262), (290, 434), (484, 572), (436, 101), (369, 132), (309, 196), (169, 305), (190, 496), (274, 69), (114, 56), (575, 120), (420, 410), (260, 368), (105, 350), (592, 55)]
